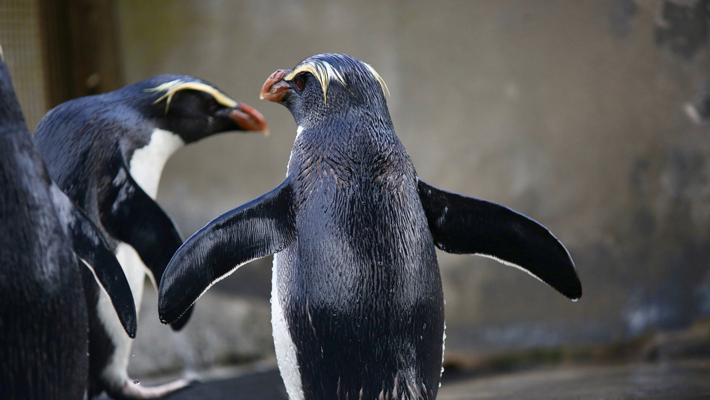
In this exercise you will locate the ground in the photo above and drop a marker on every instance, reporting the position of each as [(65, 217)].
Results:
[(673, 380)]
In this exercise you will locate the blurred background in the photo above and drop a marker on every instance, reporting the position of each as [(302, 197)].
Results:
[(591, 117)]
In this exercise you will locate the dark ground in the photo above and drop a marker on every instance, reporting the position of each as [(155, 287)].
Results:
[(677, 380), (255, 386), (658, 366)]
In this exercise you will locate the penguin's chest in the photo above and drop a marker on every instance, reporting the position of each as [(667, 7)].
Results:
[(146, 163), (145, 166)]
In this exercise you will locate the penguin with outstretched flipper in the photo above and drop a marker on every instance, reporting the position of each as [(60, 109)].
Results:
[(357, 302)]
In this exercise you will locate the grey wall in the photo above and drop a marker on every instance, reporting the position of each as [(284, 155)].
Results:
[(585, 115), (22, 47)]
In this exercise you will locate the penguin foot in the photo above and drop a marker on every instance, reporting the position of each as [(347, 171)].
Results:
[(134, 390)]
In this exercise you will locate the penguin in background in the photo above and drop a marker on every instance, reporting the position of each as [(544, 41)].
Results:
[(107, 153), (45, 244), (357, 302)]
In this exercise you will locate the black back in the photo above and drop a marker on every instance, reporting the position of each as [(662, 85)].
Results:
[(43, 320), (360, 288), (353, 228)]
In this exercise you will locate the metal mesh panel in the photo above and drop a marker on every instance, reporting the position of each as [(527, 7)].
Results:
[(21, 43)]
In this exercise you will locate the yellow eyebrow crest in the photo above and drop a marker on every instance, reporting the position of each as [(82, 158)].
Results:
[(172, 87), (324, 72), (377, 76)]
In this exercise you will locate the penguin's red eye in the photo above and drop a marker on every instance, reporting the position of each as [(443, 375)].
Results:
[(300, 82), (211, 104)]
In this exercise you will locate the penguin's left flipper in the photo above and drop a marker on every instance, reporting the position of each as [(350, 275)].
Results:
[(262, 227), (130, 215), (466, 225), (91, 248)]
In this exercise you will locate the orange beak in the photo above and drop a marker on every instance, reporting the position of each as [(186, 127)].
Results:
[(275, 88), (249, 119)]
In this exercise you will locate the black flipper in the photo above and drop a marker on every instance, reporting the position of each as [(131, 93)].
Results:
[(262, 227), (180, 322), (91, 248), (461, 224), (130, 215)]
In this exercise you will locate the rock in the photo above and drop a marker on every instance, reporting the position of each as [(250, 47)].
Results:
[(222, 330)]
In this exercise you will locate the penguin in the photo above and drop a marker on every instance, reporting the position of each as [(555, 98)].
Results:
[(357, 300), (46, 242), (107, 153)]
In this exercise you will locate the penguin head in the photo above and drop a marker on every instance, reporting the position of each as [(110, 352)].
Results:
[(326, 87), (191, 108)]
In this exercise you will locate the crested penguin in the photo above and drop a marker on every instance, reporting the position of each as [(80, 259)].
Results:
[(107, 153), (357, 301), (45, 244)]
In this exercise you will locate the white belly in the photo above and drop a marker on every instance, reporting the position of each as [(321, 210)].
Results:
[(146, 166), (135, 271), (285, 349)]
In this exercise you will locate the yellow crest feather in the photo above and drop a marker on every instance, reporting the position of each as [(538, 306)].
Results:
[(377, 76), (325, 73), (172, 87)]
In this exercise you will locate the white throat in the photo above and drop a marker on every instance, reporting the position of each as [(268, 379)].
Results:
[(147, 163)]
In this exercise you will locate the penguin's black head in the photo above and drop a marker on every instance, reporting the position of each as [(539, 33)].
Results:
[(326, 87), (191, 108)]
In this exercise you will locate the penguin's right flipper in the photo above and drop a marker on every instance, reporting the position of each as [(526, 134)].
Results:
[(467, 225), (91, 248), (130, 215), (262, 227)]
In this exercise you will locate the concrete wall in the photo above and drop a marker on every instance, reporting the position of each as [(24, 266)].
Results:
[(21, 44), (589, 116)]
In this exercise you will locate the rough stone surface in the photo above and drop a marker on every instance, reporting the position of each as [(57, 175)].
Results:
[(222, 330), (591, 117)]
